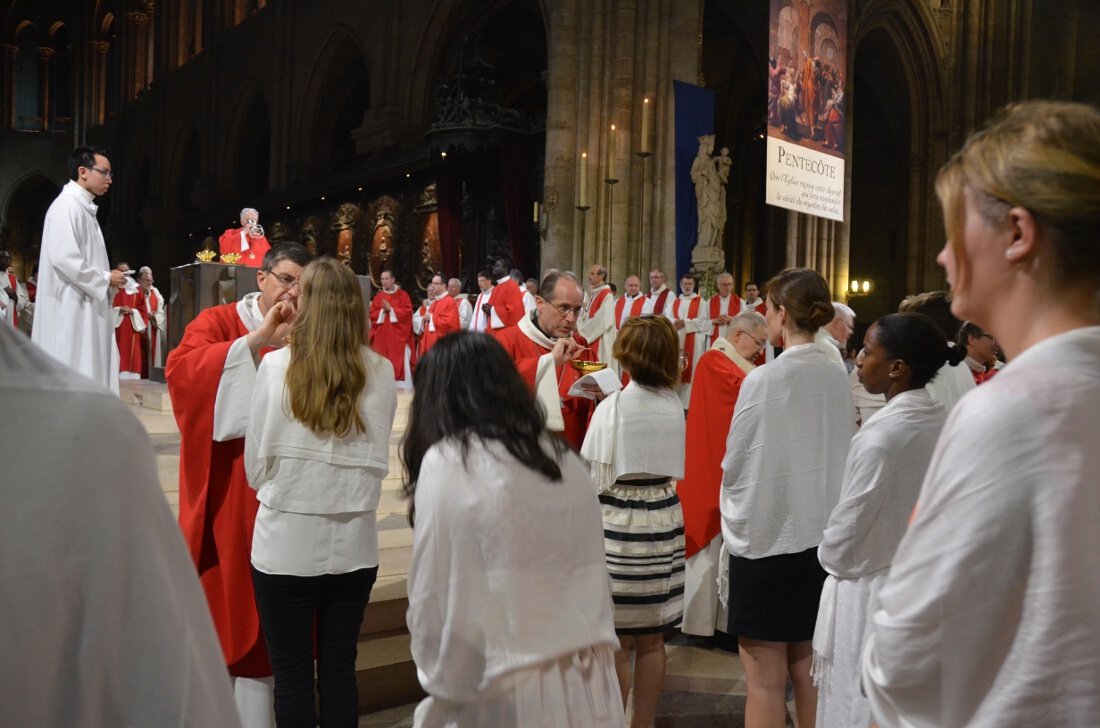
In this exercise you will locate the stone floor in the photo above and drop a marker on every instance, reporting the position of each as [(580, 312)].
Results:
[(704, 685)]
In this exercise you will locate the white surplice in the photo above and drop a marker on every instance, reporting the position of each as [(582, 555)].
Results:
[(991, 613), (886, 465), (509, 596), (104, 622), (601, 327), (74, 320), (785, 453), (680, 308)]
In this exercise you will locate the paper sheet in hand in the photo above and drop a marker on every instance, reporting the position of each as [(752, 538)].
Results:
[(605, 379)]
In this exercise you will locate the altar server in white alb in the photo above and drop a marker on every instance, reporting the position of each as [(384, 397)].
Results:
[(104, 623), (509, 600), (886, 464), (74, 320), (989, 615), (783, 470)]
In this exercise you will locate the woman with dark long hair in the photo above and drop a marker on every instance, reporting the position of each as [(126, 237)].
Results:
[(509, 602), (889, 456), (317, 450), (989, 615), (635, 450), (783, 469)]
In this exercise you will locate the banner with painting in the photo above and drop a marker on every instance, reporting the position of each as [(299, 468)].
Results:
[(807, 106)]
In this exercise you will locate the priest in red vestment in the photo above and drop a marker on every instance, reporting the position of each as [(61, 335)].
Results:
[(542, 346), (689, 317), (506, 302), (247, 240), (597, 323), (128, 304), (718, 379), (210, 376), (657, 302), (438, 318), (391, 327)]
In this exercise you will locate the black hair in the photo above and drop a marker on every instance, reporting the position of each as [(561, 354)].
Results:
[(915, 339), (294, 252), (455, 399), (83, 157)]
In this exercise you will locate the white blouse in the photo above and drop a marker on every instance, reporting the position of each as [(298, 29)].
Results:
[(785, 453), (636, 433)]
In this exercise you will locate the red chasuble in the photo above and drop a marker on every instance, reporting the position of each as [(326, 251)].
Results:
[(713, 397), (148, 337), (129, 341), (689, 339), (507, 301), (444, 312), (576, 411), (388, 338), (230, 242), (217, 508)]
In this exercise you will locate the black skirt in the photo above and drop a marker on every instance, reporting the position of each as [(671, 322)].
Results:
[(775, 598)]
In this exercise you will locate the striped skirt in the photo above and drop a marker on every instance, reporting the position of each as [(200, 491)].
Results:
[(643, 535)]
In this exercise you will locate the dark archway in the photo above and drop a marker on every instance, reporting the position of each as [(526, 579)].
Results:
[(338, 99), (735, 51), (881, 139), (25, 213), (250, 136)]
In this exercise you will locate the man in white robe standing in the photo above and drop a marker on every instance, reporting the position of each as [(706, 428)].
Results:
[(158, 320), (104, 621), (74, 318), (689, 316), (465, 310), (597, 323)]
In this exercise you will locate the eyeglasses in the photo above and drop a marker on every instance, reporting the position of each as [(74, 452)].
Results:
[(107, 174), (285, 281), (760, 343), (565, 309)]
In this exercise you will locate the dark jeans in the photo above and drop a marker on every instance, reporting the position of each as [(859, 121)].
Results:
[(290, 607)]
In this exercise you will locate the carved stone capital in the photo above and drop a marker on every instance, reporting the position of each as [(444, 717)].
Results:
[(10, 51), (137, 17), (46, 53), (102, 47)]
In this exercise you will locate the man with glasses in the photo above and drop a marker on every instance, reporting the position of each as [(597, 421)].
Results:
[(718, 377), (76, 285), (391, 333), (246, 240), (210, 377), (542, 346), (436, 318)]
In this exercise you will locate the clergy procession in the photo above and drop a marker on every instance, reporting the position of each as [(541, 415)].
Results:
[(908, 538)]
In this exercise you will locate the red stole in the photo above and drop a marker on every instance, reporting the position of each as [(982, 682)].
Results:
[(129, 341), (716, 311), (149, 336), (659, 304), (635, 309), (15, 311), (689, 339)]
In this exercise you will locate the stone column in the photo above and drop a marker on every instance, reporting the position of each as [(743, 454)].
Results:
[(98, 76), (8, 54), (605, 56), (136, 66), (44, 86)]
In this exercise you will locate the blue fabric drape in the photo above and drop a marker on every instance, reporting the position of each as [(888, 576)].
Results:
[(694, 118)]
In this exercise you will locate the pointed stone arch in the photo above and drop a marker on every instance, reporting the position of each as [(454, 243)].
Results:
[(184, 168), (337, 95), (246, 164), (23, 212), (900, 59)]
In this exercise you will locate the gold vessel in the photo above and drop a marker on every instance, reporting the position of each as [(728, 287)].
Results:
[(205, 256), (230, 258), (587, 367)]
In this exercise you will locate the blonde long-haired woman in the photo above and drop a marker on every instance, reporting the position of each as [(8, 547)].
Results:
[(316, 453)]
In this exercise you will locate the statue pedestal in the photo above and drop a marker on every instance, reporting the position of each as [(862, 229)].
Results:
[(707, 259)]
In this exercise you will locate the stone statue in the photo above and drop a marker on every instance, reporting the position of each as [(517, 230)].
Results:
[(709, 174)]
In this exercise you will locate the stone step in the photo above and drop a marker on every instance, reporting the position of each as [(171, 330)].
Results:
[(144, 393)]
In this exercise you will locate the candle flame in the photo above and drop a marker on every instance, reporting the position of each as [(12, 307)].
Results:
[(584, 155), (612, 127)]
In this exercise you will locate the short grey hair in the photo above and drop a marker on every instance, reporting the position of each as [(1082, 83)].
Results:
[(724, 276), (143, 270), (250, 209), (747, 321)]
